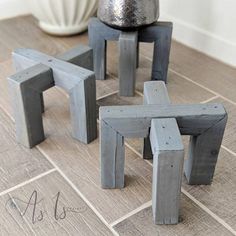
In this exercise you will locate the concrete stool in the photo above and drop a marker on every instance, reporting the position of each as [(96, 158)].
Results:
[(204, 122), (160, 33), (38, 72)]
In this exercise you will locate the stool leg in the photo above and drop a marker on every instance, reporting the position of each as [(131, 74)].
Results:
[(26, 93), (161, 54), (147, 150), (137, 61), (167, 176), (167, 170), (83, 110), (203, 154), (112, 153), (42, 102), (127, 62), (99, 46), (154, 93)]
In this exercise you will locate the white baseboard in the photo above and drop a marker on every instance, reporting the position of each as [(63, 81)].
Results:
[(12, 8), (203, 41)]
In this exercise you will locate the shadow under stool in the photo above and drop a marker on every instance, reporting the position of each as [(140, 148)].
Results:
[(160, 33)]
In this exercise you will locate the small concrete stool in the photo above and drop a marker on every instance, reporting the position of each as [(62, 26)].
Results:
[(160, 33), (38, 72), (205, 123)]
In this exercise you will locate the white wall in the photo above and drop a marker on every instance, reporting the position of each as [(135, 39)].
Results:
[(206, 25), (11, 8)]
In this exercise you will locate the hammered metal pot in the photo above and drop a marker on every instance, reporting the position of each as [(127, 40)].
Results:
[(128, 13)]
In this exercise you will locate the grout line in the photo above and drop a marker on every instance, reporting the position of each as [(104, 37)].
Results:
[(213, 215), (73, 186), (107, 95), (198, 203), (27, 182), (202, 86), (133, 150), (62, 91), (196, 83), (210, 99), (142, 207), (228, 150), (139, 93)]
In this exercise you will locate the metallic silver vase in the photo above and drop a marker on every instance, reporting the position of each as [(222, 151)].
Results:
[(128, 14)]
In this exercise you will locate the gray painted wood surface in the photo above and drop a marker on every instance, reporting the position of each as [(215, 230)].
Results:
[(203, 154), (168, 152), (160, 33), (135, 121), (112, 164), (153, 93), (128, 42), (99, 34), (204, 122), (32, 81), (26, 93), (192, 119)]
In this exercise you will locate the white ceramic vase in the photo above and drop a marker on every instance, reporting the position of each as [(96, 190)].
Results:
[(63, 17)]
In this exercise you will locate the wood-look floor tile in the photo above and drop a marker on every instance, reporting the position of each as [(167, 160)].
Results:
[(116, 100), (180, 90), (59, 210), (105, 87), (24, 32), (220, 196), (200, 68), (17, 164), (194, 221)]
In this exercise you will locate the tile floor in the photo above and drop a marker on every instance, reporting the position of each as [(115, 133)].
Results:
[(61, 176)]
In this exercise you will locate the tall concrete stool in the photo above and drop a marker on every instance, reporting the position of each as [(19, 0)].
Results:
[(160, 33), (38, 72), (163, 123)]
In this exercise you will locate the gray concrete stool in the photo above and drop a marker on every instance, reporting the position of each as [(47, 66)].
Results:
[(160, 33), (205, 123), (38, 72)]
